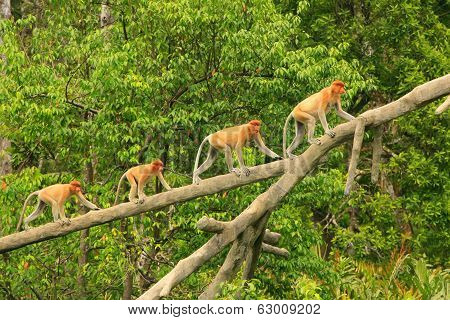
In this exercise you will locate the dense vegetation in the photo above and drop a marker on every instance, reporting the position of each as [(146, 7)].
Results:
[(80, 101)]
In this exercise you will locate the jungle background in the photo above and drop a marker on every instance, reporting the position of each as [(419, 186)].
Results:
[(86, 97)]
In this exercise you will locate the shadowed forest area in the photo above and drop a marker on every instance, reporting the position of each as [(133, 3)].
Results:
[(90, 89)]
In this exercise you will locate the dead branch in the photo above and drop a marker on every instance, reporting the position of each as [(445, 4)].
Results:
[(275, 250), (271, 237), (357, 143), (443, 106)]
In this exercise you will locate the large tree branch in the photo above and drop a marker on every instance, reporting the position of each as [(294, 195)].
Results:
[(420, 96)]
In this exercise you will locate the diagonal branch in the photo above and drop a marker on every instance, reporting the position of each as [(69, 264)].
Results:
[(357, 143), (443, 106)]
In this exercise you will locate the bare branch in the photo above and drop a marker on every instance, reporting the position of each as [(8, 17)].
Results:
[(357, 143), (443, 106), (211, 225), (275, 250), (271, 237)]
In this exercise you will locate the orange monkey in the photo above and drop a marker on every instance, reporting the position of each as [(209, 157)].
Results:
[(226, 140), (55, 196), (138, 176), (313, 107)]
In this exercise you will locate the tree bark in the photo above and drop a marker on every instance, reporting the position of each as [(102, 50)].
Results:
[(443, 106), (357, 143), (275, 250), (106, 17)]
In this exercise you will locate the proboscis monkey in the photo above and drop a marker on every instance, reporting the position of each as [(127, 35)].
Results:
[(313, 107), (228, 139), (55, 196), (138, 176)]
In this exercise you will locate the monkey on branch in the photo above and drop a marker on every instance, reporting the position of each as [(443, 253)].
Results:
[(309, 110), (55, 196), (138, 177), (227, 140)]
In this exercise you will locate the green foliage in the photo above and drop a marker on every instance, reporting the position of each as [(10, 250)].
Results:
[(81, 102)]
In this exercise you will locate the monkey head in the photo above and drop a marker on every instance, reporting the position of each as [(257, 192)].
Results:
[(338, 87), (254, 126), (75, 186), (158, 165)]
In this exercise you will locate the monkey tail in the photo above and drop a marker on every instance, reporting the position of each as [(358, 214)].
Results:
[(197, 159), (118, 188), (285, 133), (19, 224)]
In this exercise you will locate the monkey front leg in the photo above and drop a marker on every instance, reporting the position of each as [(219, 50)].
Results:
[(262, 147), (163, 181), (344, 115), (323, 121), (229, 161), (86, 202)]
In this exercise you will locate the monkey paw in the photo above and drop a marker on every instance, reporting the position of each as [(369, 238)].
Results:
[(64, 221), (314, 141), (236, 171), (196, 180), (331, 133), (246, 171), (141, 200)]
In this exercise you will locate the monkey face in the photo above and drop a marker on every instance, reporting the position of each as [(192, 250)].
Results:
[(75, 186), (158, 165), (254, 129), (255, 125), (338, 87)]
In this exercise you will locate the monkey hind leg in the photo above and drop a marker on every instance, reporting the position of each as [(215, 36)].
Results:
[(132, 195), (36, 213), (299, 134), (212, 156)]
